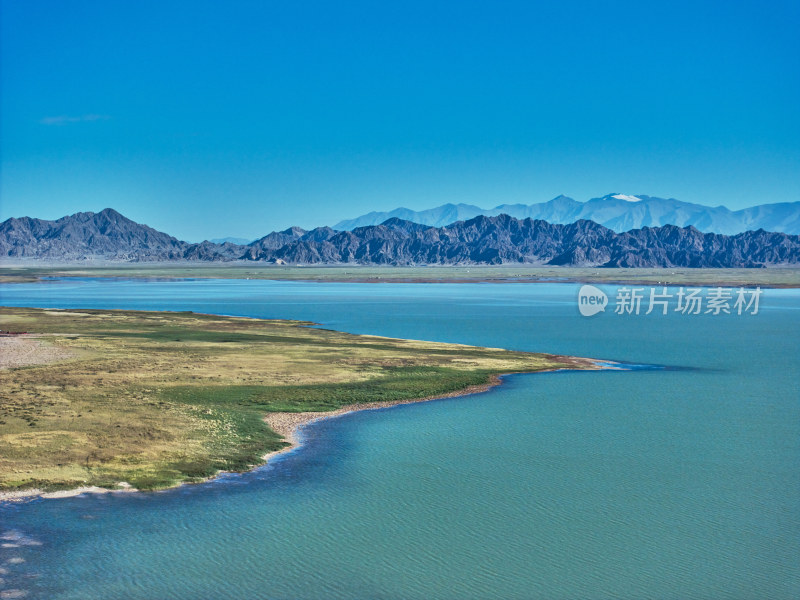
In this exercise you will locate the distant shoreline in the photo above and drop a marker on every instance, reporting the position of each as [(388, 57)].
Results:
[(773, 277)]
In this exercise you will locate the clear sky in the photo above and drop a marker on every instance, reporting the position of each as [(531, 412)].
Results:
[(209, 119)]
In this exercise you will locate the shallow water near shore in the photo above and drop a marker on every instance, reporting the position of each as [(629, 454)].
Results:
[(681, 482)]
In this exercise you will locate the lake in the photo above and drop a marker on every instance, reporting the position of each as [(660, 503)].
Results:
[(677, 482)]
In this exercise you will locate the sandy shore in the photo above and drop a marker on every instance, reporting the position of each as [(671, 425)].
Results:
[(288, 424), (20, 495)]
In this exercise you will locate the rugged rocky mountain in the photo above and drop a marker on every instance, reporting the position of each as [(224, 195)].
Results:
[(273, 241), (619, 212), (504, 239), (480, 240), (106, 235)]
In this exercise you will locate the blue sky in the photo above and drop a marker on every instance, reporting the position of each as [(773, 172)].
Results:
[(207, 119)]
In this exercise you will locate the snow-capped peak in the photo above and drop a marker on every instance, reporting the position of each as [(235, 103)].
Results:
[(626, 198)]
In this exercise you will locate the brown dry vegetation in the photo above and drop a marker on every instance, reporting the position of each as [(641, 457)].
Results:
[(777, 277)]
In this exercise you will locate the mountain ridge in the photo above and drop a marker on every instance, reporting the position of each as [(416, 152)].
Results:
[(619, 212), (500, 239)]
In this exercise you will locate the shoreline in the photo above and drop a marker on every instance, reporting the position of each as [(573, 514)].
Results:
[(776, 277), (22, 495), (288, 425)]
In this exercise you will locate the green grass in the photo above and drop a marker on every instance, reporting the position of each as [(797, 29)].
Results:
[(398, 384)]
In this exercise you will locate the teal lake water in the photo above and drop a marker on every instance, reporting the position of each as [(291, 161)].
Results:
[(681, 482)]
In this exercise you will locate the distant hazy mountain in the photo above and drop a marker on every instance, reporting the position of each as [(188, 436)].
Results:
[(619, 212), (435, 217), (231, 240), (108, 235)]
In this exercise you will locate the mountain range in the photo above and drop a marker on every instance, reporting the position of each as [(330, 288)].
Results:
[(619, 212), (106, 235), (500, 239)]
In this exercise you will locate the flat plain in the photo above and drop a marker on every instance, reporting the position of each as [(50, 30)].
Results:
[(774, 277)]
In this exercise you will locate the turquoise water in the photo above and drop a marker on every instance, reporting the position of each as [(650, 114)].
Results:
[(679, 483)]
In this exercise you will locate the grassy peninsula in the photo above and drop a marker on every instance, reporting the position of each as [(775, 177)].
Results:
[(153, 399)]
